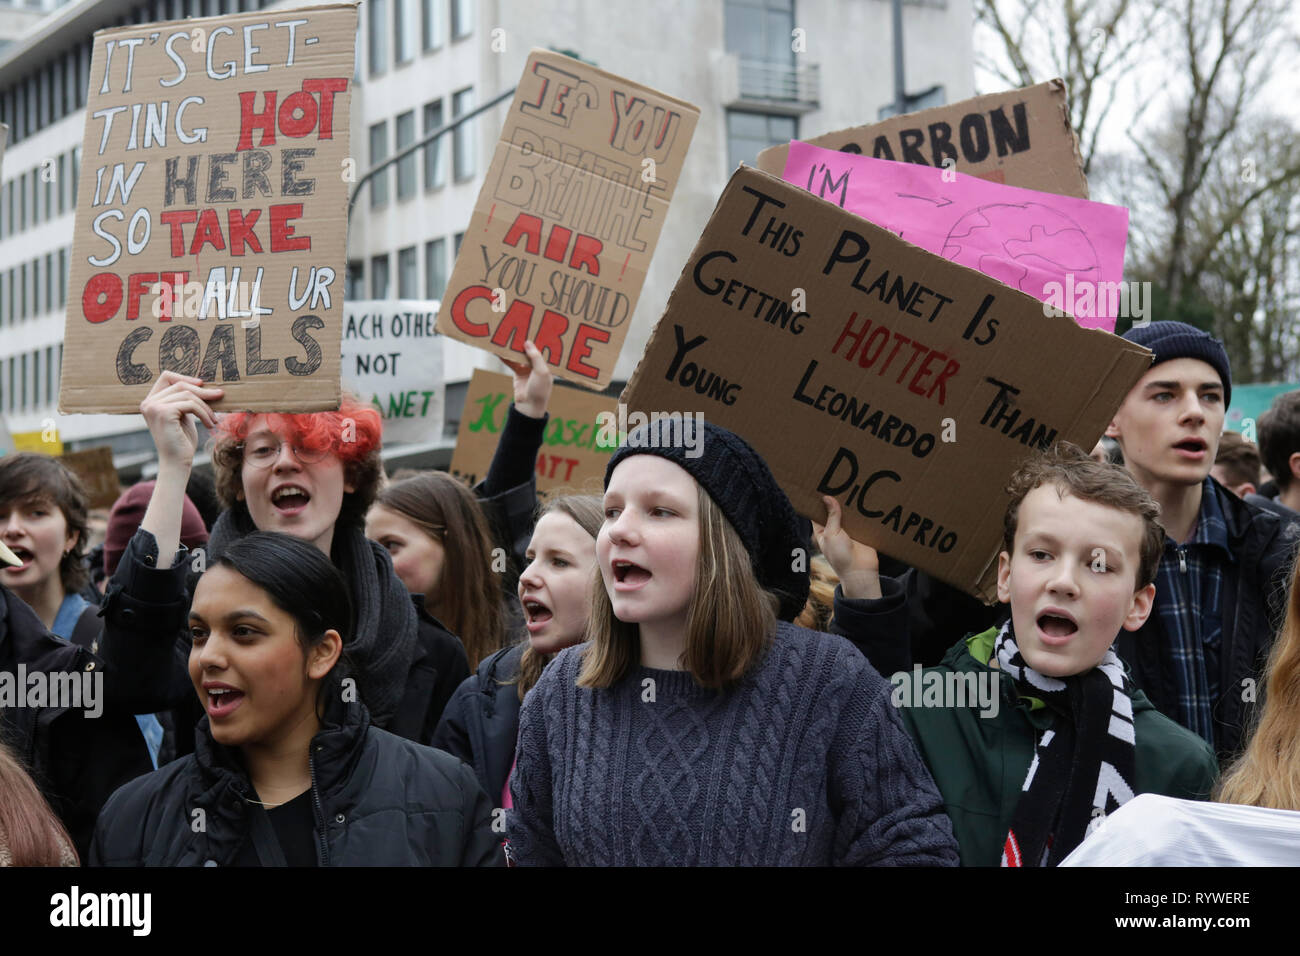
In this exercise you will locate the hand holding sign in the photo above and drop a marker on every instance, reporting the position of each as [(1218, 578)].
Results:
[(533, 383), (857, 565), (170, 409)]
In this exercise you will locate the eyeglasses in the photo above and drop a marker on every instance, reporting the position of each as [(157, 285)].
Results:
[(264, 452)]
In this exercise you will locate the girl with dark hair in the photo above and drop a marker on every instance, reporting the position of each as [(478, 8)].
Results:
[(30, 833), (43, 515), (311, 476), (288, 769), (481, 723), (696, 726)]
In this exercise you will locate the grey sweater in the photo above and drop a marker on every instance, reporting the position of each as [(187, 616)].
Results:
[(804, 763)]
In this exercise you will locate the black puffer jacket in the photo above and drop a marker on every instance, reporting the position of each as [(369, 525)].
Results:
[(76, 761), (481, 722), (1254, 602), (378, 800)]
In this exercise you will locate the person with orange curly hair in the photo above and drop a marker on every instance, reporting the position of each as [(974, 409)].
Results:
[(312, 476)]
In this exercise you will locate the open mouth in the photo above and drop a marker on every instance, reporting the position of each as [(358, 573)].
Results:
[(1054, 625), (536, 612), (633, 575), (1193, 446), (23, 555), (222, 701), (290, 498)]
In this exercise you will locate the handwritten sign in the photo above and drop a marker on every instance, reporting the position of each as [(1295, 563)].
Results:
[(211, 219), (1039, 243), (859, 366), (575, 449), (568, 217), (392, 358), (1017, 137)]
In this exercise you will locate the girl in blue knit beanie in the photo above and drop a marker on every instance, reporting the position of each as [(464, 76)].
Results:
[(697, 726)]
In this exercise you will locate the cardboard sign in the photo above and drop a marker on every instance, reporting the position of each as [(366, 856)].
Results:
[(1037, 242), (94, 466), (571, 458), (1020, 138), (392, 358), (859, 366), (212, 211), (568, 217)]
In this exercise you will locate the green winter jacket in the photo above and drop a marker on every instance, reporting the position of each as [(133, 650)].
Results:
[(979, 762)]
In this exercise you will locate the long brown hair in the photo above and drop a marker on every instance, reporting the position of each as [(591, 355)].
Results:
[(469, 593), (29, 476), (1267, 774), (729, 625), (588, 511), (29, 830)]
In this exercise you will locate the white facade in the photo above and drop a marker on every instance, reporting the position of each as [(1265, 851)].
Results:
[(702, 51)]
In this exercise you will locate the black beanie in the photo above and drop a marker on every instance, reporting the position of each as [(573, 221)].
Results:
[(741, 484), (1175, 340)]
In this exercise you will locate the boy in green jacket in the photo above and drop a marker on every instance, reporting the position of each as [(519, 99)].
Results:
[(1033, 732)]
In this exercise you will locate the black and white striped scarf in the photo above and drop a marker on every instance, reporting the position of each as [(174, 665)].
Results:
[(1083, 765)]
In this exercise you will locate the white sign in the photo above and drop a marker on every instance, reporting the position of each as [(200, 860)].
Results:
[(392, 358)]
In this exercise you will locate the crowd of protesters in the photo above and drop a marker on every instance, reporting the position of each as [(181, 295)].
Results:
[(340, 669)]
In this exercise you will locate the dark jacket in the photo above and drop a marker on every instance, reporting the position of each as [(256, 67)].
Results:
[(481, 722), (1254, 603), (979, 760), (76, 761), (146, 637), (378, 800)]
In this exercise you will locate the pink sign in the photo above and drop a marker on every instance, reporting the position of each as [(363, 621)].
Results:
[(1065, 251)]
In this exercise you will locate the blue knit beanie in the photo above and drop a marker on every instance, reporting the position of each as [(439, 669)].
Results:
[(742, 486), (1175, 340)]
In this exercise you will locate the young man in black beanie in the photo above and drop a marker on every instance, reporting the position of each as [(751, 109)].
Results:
[(1221, 586)]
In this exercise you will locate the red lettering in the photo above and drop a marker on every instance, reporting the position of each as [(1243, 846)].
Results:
[(326, 90), (525, 226), (171, 293), (924, 371), (282, 237), (949, 370), (460, 308), (107, 287), (586, 333), (207, 232), (298, 126), (585, 250), (557, 242), (137, 284), (513, 330), (175, 219), (241, 231), (250, 120), (549, 337)]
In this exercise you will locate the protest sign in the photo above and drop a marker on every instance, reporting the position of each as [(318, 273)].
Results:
[(94, 466), (1248, 403), (568, 217), (571, 456), (1019, 137), (46, 441), (212, 212), (859, 366), (392, 358), (1062, 250)]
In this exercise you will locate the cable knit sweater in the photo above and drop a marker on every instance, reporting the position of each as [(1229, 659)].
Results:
[(804, 762)]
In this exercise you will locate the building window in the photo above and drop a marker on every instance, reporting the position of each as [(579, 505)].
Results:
[(750, 133), (462, 18), (760, 30), (435, 163), (462, 101), (405, 28), (355, 287), (460, 236), (60, 168), (406, 165), (379, 277), (379, 153), (432, 32), (435, 268), (61, 281), (408, 274), (377, 29)]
